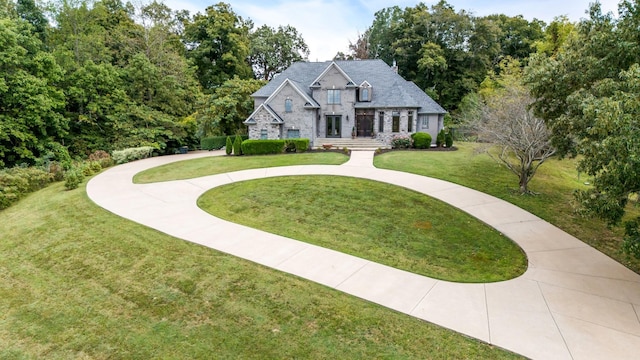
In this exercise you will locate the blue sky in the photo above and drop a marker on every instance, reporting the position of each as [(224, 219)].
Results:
[(327, 26)]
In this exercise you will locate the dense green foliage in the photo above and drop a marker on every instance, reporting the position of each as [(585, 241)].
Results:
[(109, 75), (595, 110), (17, 182), (447, 52), (263, 147), (223, 111)]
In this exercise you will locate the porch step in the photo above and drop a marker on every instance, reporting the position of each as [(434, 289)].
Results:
[(360, 143)]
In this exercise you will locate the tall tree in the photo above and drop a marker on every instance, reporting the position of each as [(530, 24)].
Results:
[(518, 36), (223, 112), (588, 94), (31, 103), (218, 43), (30, 12), (272, 51)]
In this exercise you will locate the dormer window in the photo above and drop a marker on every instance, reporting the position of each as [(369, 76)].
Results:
[(364, 92), (364, 95), (288, 105)]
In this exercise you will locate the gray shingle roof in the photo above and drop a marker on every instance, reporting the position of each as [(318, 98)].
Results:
[(389, 88)]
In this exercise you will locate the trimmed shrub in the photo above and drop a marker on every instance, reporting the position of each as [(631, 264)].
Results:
[(216, 142), (17, 182), (448, 140), (131, 154), (302, 145), (229, 146), (72, 178), (102, 157), (440, 138), (401, 142), (237, 146), (421, 140), (263, 147), (296, 145)]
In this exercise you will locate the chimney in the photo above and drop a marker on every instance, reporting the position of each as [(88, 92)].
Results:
[(394, 67)]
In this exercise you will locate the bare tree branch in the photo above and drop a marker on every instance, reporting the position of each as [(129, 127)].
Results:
[(523, 139)]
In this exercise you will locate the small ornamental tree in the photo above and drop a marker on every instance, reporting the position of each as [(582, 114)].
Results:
[(448, 140), (229, 147), (237, 146), (440, 138)]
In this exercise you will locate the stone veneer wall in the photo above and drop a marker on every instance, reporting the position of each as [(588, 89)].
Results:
[(264, 121), (388, 134)]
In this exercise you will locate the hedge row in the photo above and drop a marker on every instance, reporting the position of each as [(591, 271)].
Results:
[(17, 182), (131, 154), (216, 142), (265, 147)]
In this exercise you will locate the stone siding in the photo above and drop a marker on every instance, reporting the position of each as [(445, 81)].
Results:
[(264, 121)]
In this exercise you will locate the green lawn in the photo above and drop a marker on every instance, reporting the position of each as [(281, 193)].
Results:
[(555, 182), (194, 168), (79, 282), (376, 221)]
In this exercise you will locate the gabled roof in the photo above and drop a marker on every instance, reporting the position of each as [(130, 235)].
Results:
[(332, 65), (390, 89), (276, 118), (309, 100)]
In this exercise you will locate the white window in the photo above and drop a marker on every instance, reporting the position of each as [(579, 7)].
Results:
[(288, 104), (364, 94), (424, 120), (333, 96), (293, 133)]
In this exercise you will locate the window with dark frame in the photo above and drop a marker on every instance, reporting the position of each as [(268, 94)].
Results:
[(395, 121), (410, 121), (381, 122)]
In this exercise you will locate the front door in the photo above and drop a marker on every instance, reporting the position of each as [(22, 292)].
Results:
[(364, 122), (334, 124)]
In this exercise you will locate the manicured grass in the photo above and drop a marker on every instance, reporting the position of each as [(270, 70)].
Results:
[(79, 282), (189, 169), (555, 182), (376, 221)]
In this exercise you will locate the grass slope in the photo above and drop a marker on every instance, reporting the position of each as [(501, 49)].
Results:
[(194, 168), (79, 282), (376, 221), (555, 182)]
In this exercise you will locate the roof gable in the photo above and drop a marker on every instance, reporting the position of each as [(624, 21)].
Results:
[(276, 118), (333, 65), (310, 102)]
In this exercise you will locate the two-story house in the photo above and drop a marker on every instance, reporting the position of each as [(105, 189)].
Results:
[(341, 99)]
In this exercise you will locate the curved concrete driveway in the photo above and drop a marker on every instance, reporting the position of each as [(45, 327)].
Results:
[(573, 302)]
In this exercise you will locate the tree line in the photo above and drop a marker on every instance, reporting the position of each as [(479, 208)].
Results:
[(79, 76)]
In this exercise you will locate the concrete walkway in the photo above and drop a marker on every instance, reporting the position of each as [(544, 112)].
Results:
[(573, 302)]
